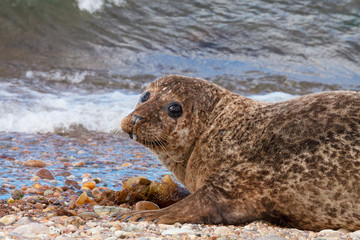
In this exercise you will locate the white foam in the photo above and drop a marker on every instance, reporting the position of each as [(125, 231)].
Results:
[(58, 75), (28, 111), (96, 5), (273, 97), (46, 113)]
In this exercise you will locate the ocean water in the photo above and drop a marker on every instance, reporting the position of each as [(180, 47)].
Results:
[(66, 63)]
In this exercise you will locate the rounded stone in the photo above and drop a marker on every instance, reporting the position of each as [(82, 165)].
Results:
[(146, 205), (45, 174), (35, 163)]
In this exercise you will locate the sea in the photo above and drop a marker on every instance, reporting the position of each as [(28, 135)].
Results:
[(80, 65)]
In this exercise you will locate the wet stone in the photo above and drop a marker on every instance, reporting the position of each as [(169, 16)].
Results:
[(45, 174), (34, 163), (17, 194), (109, 210), (88, 215)]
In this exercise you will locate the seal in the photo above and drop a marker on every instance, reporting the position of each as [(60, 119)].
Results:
[(294, 163)]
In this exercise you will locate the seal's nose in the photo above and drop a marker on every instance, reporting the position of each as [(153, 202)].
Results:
[(136, 119)]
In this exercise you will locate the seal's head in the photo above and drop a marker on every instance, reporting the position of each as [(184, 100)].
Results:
[(168, 114)]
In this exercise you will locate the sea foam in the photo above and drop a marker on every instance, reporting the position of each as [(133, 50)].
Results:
[(34, 112)]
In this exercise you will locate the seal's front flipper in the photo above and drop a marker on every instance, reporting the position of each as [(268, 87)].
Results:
[(203, 206)]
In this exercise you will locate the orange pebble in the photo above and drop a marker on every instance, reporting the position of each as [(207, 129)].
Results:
[(91, 185)]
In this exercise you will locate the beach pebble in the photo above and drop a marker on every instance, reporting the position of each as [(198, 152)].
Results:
[(79, 164), (72, 183), (88, 215), (146, 205), (8, 219), (54, 230), (120, 234), (173, 231), (271, 237), (221, 230), (75, 220), (45, 174), (35, 179), (83, 198), (95, 192), (17, 194), (23, 221), (91, 185), (108, 210), (48, 193), (34, 163), (31, 230)]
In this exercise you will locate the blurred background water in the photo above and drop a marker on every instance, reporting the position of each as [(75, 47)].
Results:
[(66, 62)]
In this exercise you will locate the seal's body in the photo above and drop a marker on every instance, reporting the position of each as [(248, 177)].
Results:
[(294, 163)]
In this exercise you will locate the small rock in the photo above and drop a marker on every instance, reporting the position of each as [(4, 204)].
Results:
[(120, 234), (222, 230), (31, 230), (72, 183), (146, 205), (23, 221), (79, 164), (172, 231), (83, 198), (77, 221), (34, 163), (70, 228), (109, 210), (35, 179), (91, 185), (17, 194), (48, 193), (45, 174), (8, 219), (3, 191), (54, 230), (95, 192), (272, 237), (10, 200), (88, 215)]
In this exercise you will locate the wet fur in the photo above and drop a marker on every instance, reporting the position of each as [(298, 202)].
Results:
[(294, 163)]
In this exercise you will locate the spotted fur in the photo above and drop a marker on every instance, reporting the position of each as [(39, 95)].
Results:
[(294, 163)]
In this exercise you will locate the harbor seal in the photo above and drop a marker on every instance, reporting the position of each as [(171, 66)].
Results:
[(294, 163)]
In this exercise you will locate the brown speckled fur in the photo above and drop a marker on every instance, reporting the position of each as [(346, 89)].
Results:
[(294, 163)]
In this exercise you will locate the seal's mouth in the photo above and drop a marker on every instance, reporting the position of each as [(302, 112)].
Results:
[(147, 143)]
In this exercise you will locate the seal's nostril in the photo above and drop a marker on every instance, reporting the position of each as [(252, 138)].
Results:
[(131, 135), (136, 119)]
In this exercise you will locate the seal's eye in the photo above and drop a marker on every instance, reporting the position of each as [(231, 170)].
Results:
[(175, 110), (145, 97)]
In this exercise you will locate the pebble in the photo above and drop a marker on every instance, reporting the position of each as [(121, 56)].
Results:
[(221, 230), (8, 219), (48, 193), (146, 205), (88, 215), (75, 220), (35, 163), (79, 164), (173, 231), (91, 185), (83, 198), (108, 210), (45, 174), (31, 230), (17, 194)]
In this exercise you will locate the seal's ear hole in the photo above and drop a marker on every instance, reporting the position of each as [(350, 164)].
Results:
[(174, 110), (145, 97)]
